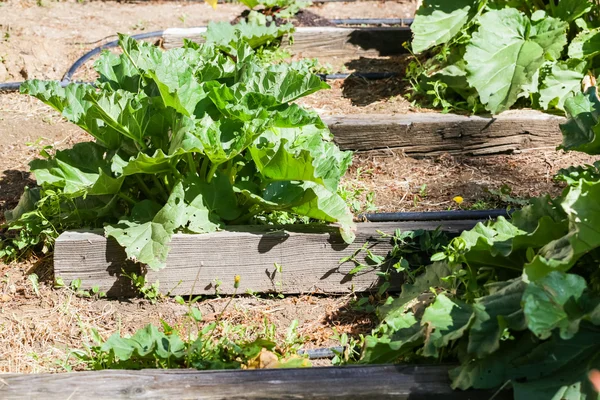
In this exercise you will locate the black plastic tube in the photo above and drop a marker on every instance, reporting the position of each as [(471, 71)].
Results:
[(365, 75), (436, 215), (369, 21), (325, 352)]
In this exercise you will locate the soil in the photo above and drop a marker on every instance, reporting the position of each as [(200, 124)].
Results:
[(41, 41)]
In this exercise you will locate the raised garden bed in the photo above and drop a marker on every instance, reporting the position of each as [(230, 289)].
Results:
[(308, 256), (320, 41), (368, 382)]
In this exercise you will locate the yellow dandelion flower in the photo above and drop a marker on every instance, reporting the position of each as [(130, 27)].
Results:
[(236, 281), (458, 200)]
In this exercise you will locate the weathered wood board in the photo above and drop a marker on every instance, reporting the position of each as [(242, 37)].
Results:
[(432, 134), (309, 257), (320, 41), (427, 382)]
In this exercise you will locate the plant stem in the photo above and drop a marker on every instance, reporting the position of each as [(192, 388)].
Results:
[(127, 198), (211, 172), (160, 187), (246, 217), (191, 164), (212, 331), (144, 187), (203, 168)]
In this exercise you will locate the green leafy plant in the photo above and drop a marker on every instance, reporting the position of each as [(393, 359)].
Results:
[(514, 302), (151, 348), (235, 346), (149, 292), (264, 39), (495, 52), (186, 140)]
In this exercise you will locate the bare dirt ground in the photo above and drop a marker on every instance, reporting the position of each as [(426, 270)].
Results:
[(41, 40)]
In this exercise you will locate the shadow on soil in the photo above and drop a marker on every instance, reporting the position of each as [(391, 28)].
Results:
[(363, 92)]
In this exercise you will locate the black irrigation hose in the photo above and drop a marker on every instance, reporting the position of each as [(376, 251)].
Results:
[(67, 78), (325, 352), (384, 21), (436, 215), (364, 75)]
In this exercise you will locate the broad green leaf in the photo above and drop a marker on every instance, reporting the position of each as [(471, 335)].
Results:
[(146, 234), (83, 169), (563, 82), (548, 301), (256, 35), (555, 369), (570, 10), (176, 82), (438, 21), (583, 211), (306, 198), (224, 139), (117, 72), (586, 45), (391, 346), (446, 321), (218, 197), (71, 102), (582, 130), (300, 154), (145, 164), (433, 277), (507, 51), (279, 81), (493, 314)]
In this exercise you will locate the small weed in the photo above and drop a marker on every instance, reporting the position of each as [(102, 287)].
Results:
[(140, 26), (75, 287), (151, 293), (237, 346), (183, 18), (35, 284), (351, 348)]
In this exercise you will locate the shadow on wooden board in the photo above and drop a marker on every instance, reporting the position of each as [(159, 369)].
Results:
[(386, 41)]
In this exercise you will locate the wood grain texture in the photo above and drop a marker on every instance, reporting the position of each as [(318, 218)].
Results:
[(320, 41), (432, 134), (308, 255), (353, 382)]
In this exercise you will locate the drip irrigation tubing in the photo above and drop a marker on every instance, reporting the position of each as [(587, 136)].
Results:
[(437, 215), (324, 352), (68, 76), (374, 21)]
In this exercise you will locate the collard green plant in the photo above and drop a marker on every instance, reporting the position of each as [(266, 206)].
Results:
[(495, 53), (516, 302), (186, 140)]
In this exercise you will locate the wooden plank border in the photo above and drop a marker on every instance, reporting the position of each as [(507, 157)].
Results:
[(398, 382), (320, 41), (309, 257), (433, 134)]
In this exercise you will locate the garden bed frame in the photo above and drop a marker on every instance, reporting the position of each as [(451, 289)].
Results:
[(290, 260), (320, 41), (398, 382), (434, 134)]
